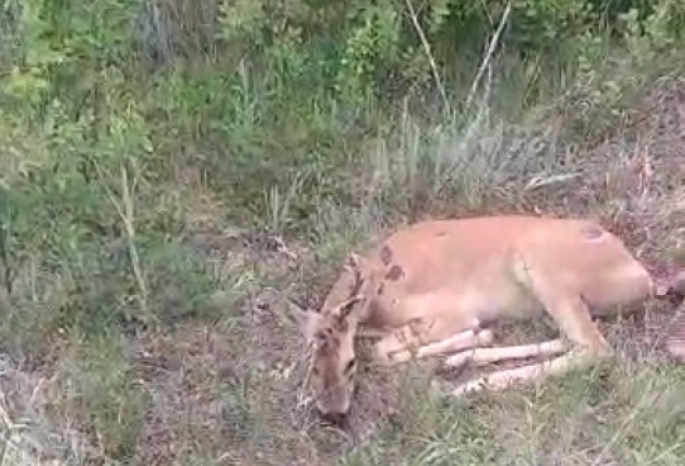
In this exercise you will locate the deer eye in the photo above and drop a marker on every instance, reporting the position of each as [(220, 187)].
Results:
[(350, 365)]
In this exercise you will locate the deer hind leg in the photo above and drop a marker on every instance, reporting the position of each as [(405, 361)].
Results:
[(573, 317), (505, 379), (482, 356)]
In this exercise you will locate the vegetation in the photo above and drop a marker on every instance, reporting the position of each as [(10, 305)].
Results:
[(173, 169)]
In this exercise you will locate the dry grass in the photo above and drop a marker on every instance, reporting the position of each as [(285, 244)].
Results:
[(226, 390)]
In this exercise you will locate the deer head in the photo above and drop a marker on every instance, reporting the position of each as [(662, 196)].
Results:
[(330, 333)]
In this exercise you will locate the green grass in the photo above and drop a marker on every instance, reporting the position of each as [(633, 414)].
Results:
[(213, 376), (162, 193), (625, 414)]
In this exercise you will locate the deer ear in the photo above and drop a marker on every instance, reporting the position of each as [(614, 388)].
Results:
[(345, 309), (306, 319), (356, 262), (357, 266)]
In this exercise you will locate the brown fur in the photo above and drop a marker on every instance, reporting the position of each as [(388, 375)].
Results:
[(428, 289)]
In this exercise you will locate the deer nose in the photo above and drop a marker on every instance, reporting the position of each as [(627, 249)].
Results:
[(335, 418)]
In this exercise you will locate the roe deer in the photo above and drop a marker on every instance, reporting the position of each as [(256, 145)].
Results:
[(428, 289)]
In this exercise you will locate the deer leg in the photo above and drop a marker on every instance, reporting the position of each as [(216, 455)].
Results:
[(573, 318), (483, 356), (502, 380), (459, 342), (397, 348), (569, 310)]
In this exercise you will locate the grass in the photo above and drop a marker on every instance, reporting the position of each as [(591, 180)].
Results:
[(146, 321)]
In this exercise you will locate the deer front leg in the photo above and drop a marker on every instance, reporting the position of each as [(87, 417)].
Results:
[(399, 347), (459, 342)]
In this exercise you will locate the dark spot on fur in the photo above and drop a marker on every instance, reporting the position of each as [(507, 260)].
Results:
[(386, 255), (395, 273), (441, 234), (381, 289)]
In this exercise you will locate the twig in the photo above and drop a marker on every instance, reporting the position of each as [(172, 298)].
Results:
[(488, 56), (127, 214), (429, 55), (5, 247), (127, 220)]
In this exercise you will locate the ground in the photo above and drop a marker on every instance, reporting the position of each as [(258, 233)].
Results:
[(227, 390)]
